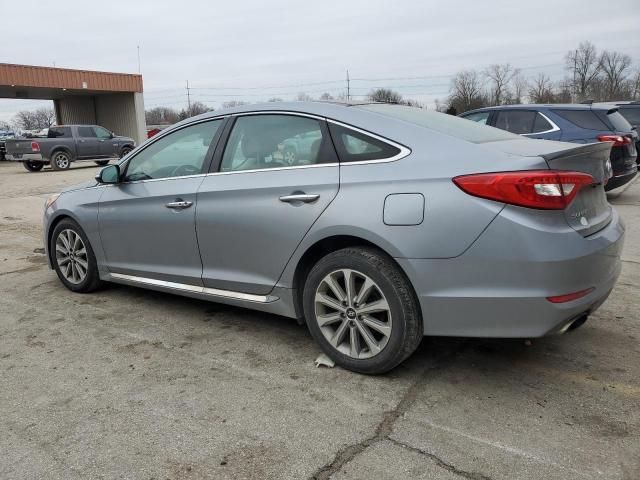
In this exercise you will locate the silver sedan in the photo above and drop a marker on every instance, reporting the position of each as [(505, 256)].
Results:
[(386, 224)]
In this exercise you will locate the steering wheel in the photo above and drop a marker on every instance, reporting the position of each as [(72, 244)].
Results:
[(185, 170)]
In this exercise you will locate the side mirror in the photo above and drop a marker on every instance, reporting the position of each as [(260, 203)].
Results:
[(109, 175)]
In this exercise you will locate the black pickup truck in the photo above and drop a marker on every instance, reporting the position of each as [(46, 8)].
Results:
[(67, 143)]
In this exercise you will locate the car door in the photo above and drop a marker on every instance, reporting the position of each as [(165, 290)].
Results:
[(260, 201), (147, 221), (87, 143), (105, 142)]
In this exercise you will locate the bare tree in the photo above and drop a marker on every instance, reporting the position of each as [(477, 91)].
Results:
[(635, 86), (385, 95), (466, 92), (326, 96), (584, 66), (161, 116), (303, 97), (196, 108), (614, 66), (541, 90), (500, 77), (35, 119), (233, 103), (520, 86), (4, 125)]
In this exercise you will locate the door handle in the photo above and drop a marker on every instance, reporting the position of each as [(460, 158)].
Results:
[(300, 197), (179, 204)]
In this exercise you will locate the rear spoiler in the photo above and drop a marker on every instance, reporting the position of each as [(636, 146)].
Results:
[(578, 150)]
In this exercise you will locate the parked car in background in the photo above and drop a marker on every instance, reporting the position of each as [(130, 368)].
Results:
[(67, 143), (4, 136), (630, 111), (393, 223), (575, 123)]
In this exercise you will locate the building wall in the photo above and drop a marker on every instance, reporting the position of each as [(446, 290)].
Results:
[(79, 109), (122, 113)]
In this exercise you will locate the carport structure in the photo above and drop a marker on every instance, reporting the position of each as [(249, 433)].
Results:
[(113, 100)]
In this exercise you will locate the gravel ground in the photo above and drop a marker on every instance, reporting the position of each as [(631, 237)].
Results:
[(129, 383)]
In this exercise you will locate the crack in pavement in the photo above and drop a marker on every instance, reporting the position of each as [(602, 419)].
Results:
[(441, 463), (385, 428)]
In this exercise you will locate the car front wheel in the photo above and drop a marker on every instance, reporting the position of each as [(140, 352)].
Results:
[(73, 258), (362, 310)]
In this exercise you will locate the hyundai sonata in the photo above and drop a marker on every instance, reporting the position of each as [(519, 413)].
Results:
[(386, 224)]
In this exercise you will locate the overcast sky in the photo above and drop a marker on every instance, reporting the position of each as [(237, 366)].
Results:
[(252, 50)]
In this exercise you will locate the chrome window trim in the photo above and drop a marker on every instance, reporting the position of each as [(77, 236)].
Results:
[(249, 297), (554, 127)]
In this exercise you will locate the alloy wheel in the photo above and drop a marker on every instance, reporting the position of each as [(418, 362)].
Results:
[(353, 313), (71, 256), (61, 160)]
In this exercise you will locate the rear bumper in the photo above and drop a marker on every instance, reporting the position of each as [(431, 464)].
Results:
[(498, 288), (620, 180), (26, 157)]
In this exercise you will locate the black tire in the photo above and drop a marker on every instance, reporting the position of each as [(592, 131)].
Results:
[(102, 163), (407, 328), (125, 151), (92, 280), (33, 166), (60, 160)]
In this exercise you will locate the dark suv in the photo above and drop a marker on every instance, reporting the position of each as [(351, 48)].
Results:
[(576, 123)]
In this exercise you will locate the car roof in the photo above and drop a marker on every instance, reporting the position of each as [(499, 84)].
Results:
[(544, 106), (621, 103)]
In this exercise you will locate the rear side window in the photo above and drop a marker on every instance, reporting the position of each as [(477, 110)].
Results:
[(86, 132), (57, 132), (632, 114), (541, 124), (516, 121), (354, 146), (583, 119)]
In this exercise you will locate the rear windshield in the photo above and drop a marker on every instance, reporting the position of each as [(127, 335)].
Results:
[(619, 123), (440, 122), (632, 114)]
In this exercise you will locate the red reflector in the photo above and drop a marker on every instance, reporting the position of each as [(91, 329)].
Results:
[(618, 140), (570, 296), (35, 147), (541, 189)]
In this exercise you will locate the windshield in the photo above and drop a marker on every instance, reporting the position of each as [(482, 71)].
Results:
[(448, 124)]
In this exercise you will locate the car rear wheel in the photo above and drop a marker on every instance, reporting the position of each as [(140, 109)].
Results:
[(73, 258), (33, 166), (362, 310), (60, 160), (102, 163)]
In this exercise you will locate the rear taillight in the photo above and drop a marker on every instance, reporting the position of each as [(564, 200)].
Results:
[(569, 297), (35, 147), (541, 189), (618, 140)]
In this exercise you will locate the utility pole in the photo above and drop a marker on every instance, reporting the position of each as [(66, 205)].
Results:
[(188, 98), (348, 87)]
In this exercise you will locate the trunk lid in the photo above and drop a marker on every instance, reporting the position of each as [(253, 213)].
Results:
[(590, 211)]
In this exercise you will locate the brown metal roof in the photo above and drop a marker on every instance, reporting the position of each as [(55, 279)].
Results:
[(49, 77)]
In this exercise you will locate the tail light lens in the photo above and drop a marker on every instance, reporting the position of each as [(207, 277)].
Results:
[(618, 140), (569, 297), (35, 147), (541, 189)]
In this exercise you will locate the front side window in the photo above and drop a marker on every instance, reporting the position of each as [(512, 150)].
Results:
[(86, 132), (274, 141), (479, 117), (516, 121), (177, 154), (101, 132), (354, 146)]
